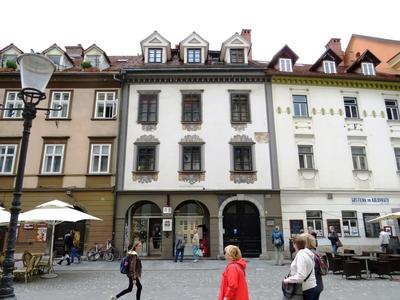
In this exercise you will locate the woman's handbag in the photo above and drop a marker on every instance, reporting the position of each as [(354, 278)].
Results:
[(199, 253), (293, 290), (339, 244)]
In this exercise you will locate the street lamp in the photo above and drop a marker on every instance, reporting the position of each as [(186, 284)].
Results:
[(35, 70)]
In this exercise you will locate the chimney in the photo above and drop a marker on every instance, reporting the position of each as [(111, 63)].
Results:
[(246, 33), (74, 51), (336, 46)]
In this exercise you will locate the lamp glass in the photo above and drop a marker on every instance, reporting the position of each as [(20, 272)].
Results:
[(36, 70)]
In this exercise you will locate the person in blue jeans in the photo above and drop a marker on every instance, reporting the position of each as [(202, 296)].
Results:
[(277, 241), (179, 247), (333, 237), (195, 245)]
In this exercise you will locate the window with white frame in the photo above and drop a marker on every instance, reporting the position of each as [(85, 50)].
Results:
[(359, 158), (53, 158), (100, 158), (306, 157), (193, 56), (368, 68), (94, 60), (56, 59), (300, 106), (237, 56), (8, 57), (329, 67), (397, 157), (8, 154), (371, 228), (285, 65), (392, 109), (105, 105), (13, 101), (350, 223), (155, 55), (314, 219), (242, 158), (60, 99), (191, 158), (350, 107)]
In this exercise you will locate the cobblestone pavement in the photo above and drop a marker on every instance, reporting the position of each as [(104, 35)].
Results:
[(193, 281)]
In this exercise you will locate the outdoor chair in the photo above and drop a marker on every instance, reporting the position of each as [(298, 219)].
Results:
[(26, 272), (349, 251), (380, 267), (351, 268), (44, 264), (365, 253), (26, 258), (36, 264), (335, 263)]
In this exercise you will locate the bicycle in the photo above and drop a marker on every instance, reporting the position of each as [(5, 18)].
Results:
[(101, 252)]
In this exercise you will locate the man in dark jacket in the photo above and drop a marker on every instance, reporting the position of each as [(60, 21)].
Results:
[(68, 244), (277, 242)]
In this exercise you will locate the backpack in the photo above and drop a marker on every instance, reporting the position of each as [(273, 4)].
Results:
[(277, 239), (123, 266), (323, 267)]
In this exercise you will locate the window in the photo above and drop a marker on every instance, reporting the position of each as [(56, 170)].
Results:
[(240, 108), (191, 158), (60, 99), (314, 219), (7, 158), (397, 156), (306, 160), (296, 226), (8, 57), (371, 229), (155, 55), (350, 223), (285, 65), (392, 110), (148, 108), (94, 60), (53, 158), (359, 158), (237, 56), (13, 101), (191, 108), (56, 59), (146, 158), (336, 224), (100, 158), (105, 105), (329, 67), (242, 158), (300, 105), (350, 107), (368, 68), (193, 56)]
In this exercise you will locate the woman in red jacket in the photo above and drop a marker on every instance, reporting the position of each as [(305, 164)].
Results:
[(233, 283)]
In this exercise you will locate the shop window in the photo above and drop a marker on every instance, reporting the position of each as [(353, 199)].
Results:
[(314, 219), (350, 223), (336, 224), (371, 229), (296, 226)]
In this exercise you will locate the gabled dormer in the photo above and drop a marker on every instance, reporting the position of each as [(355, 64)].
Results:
[(327, 63), (156, 49), (193, 49), (59, 57), (97, 57), (394, 62), (9, 53), (235, 50), (365, 64), (284, 60)]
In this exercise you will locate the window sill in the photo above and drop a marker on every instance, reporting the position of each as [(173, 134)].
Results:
[(302, 118), (397, 122), (243, 172), (59, 119), (51, 175), (98, 174), (144, 172), (11, 119), (191, 172), (248, 177), (103, 119), (147, 123), (7, 175), (145, 176), (191, 176), (190, 122), (308, 173), (240, 123), (353, 119)]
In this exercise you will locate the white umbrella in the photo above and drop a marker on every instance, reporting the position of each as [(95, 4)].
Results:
[(391, 216), (4, 216), (54, 213)]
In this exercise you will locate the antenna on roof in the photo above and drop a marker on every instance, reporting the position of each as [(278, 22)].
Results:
[(32, 52)]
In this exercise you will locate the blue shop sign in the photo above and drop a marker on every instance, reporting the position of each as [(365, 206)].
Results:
[(370, 200)]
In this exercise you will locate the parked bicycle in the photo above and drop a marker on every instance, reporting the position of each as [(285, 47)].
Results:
[(106, 253)]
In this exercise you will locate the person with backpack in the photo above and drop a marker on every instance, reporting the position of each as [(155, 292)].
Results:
[(320, 267), (179, 247), (277, 242), (133, 271)]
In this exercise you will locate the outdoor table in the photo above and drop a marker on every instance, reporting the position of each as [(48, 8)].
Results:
[(346, 255), (366, 258), (374, 252), (394, 255)]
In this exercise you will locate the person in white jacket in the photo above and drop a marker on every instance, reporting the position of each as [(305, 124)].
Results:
[(302, 270)]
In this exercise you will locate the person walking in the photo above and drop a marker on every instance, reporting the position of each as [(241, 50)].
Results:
[(302, 271), (334, 238), (134, 271), (233, 283), (384, 238), (311, 231), (195, 245), (179, 247), (277, 241), (311, 244), (76, 239), (68, 244)]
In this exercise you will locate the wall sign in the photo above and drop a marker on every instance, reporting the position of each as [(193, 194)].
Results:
[(167, 224), (167, 210), (370, 200)]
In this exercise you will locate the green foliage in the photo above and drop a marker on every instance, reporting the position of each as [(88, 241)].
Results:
[(11, 64), (86, 64)]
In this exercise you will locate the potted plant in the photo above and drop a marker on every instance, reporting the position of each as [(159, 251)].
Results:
[(11, 64), (86, 64)]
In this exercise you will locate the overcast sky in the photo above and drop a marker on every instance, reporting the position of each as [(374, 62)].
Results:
[(118, 26)]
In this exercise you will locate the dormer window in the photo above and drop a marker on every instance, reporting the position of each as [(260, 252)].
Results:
[(56, 59), (155, 55), (94, 60), (8, 57), (285, 65), (368, 68), (194, 56), (329, 67), (237, 56)]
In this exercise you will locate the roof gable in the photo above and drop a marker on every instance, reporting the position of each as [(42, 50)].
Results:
[(55, 49), (93, 50), (330, 55), (235, 41), (194, 39), (12, 49), (285, 52), (155, 39), (367, 56)]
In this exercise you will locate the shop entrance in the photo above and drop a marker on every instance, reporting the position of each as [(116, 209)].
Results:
[(241, 223)]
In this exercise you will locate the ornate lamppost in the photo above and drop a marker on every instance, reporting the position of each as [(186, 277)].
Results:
[(35, 70)]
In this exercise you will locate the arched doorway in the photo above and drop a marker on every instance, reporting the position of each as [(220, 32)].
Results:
[(191, 215), (146, 226), (241, 223)]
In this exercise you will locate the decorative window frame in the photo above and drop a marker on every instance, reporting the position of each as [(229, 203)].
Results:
[(155, 50), (195, 59), (142, 176), (192, 176), (192, 92), (238, 176), (139, 106), (233, 93)]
